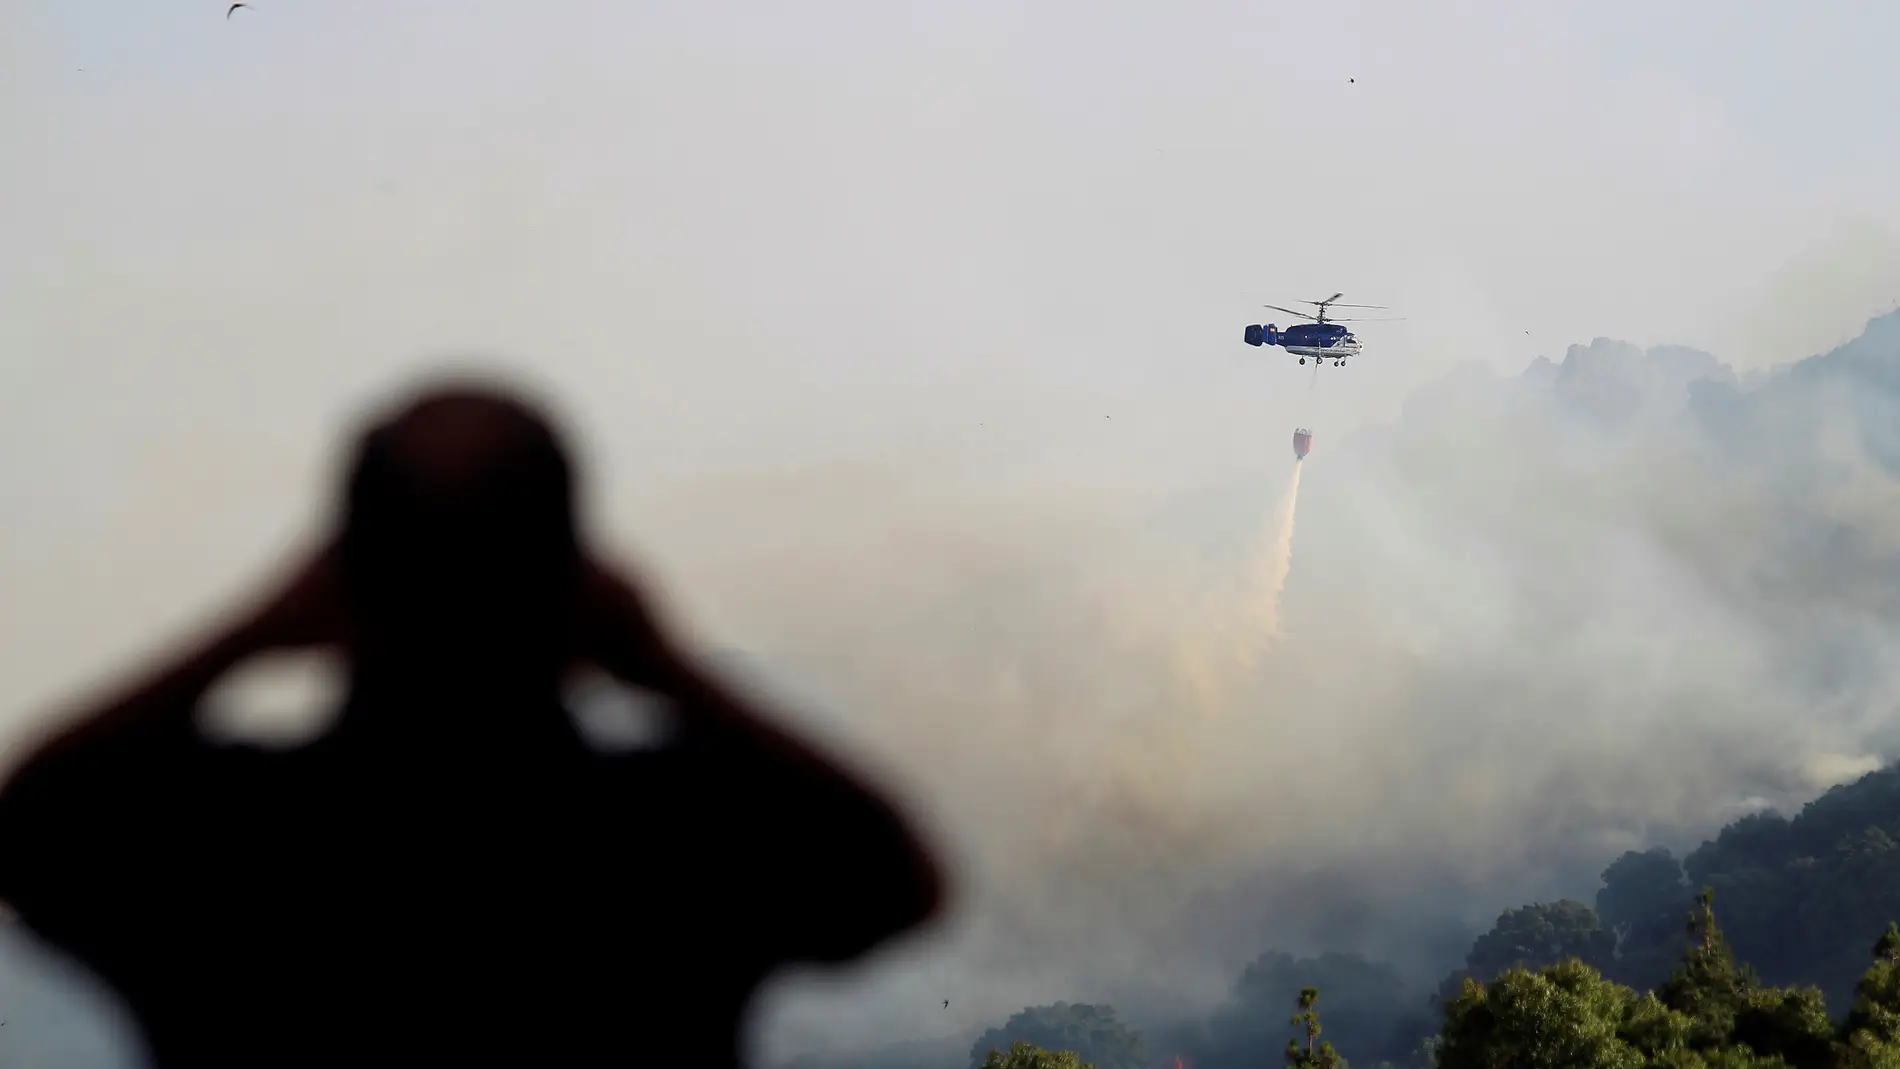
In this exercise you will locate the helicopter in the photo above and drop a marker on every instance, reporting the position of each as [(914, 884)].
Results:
[(1322, 339)]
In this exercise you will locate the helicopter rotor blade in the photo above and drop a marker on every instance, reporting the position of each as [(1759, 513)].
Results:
[(1394, 319), (1381, 307), (1288, 311), (1325, 302)]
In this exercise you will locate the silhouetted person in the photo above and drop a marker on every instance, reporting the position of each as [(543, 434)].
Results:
[(450, 875)]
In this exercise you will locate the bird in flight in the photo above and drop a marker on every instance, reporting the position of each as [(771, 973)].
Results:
[(232, 8), (946, 1004)]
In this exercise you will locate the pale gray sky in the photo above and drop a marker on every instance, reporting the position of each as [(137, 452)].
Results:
[(826, 274), (735, 232)]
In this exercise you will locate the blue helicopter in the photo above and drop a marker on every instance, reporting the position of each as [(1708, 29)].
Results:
[(1322, 339)]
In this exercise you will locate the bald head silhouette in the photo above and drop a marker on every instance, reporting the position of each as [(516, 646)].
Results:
[(459, 546)]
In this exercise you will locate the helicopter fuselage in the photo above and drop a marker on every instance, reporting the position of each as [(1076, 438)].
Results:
[(1321, 341), (1339, 350)]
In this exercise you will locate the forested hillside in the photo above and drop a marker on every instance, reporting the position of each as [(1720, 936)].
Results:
[(1779, 497), (1776, 958), (1709, 1012)]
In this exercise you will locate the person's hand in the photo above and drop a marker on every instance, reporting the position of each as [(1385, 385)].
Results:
[(618, 632), (306, 612)]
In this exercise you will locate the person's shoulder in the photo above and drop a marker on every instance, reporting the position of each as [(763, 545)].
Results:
[(122, 800), (119, 767), (703, 783), (251, 760), (658, 771)]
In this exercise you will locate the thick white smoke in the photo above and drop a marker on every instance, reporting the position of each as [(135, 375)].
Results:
[(1525, 638)]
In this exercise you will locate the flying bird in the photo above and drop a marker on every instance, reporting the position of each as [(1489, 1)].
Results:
[(233, 7), (946, 1004), (1351, 81)]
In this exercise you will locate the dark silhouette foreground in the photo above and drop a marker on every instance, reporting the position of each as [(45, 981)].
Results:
[(450, 875)]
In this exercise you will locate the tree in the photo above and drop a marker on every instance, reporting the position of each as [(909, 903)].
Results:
[(1728, 1007), (1641, 902), (1311, 1056), (1706, 986), (1368, 1007), (1638, 888), (1801, 895), (1023, 1055), (1711, 1014), (1094, 1033), (1659, 1034), (1565, 1017), (1790, 1024), (1533, 937), (1887, 947), (1870, 1033)]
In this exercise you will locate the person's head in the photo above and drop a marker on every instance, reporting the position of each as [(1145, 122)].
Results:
[(459, 539)]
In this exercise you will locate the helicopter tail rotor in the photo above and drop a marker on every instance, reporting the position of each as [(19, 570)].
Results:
[(1267, 335)]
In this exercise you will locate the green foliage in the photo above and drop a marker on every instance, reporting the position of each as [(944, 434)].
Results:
[(1707, 987), (1789, 1023), (1798, 899), (1862, 1051), (1728, 1006), (1657, 1032), (1094, 1033), (1711, 1014), (1023, 1055), (1565, 1017), (1556, 983), (1533, 937), (1640, 888), (905, 1054), (1570, 1017), (1371, 1014), (1314, 1053), (1641, 903), (1876, 1009), (1887, 947), (1870, 1034), (1800, 896)]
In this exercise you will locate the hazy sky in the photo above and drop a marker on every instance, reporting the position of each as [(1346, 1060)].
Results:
[(833, 289), (733, 236)]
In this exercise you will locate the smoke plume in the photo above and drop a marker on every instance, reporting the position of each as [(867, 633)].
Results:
[(1530, 632), (1277, 560)]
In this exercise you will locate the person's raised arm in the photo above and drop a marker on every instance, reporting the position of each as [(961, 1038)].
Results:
[(159, 706), (66, 812), (878, 879)]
